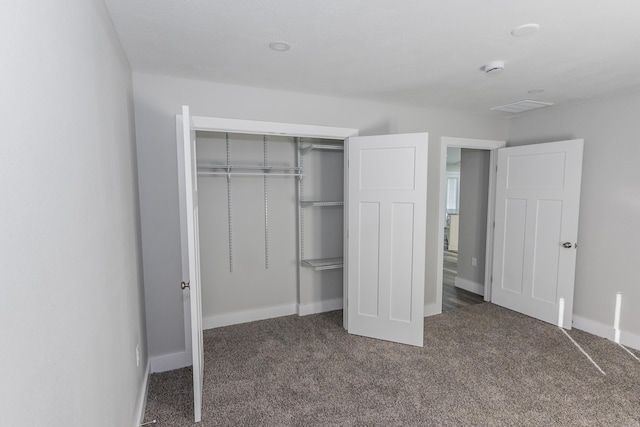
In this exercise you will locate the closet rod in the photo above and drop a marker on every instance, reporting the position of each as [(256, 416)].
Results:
[(247, 174), (249, 167)]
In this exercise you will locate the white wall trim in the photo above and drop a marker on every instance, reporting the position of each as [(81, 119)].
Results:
[(141, 401), (320, 306), (432, 309), (606, 331), (245, 316), (169, 362), (470, 286), (261, 128)]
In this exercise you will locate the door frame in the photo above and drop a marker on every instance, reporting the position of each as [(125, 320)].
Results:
[(215, 124), (476, 144)]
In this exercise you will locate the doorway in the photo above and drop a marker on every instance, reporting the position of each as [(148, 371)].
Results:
[(465, 241), (465, 227)]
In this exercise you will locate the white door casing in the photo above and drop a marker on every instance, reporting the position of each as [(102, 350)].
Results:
[(492, 147), (387, 189), (537, 209), (187, 171)]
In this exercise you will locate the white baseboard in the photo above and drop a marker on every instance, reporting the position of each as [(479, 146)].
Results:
[(245, 316), (470, 286), (432, 309), (141, 401), (169, 362), (606, 331), (320, 306)]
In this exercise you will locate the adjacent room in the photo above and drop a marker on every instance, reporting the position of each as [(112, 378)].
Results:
[(320, 213)]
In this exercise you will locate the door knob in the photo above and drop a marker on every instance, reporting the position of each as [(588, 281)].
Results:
[(184, 285), (566, 245)]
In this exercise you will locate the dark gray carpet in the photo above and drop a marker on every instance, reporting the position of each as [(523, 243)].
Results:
[(481, 366)]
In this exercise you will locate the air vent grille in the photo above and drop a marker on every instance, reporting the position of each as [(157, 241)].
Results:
[(520, 106)]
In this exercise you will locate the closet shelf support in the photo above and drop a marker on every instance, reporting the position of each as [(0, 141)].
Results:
[(228, 174), (229, 205), (266, 206), (229, 168)]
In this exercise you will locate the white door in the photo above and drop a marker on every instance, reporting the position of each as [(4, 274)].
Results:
[(187, 172), (386, 209), (536, 229)]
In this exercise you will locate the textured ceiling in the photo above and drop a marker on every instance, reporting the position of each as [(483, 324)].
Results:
[(412, 52)]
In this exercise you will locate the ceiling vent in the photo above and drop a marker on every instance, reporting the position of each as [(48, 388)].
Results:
[(520, 106), (493, 67)]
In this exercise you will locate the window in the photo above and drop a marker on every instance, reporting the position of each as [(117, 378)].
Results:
[(452, 195)]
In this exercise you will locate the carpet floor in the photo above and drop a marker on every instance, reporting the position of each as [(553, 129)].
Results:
[(481, 365)]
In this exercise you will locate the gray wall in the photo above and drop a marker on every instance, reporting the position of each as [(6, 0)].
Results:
[(71, 308), (608, 233), (474, 191), (159, 98)]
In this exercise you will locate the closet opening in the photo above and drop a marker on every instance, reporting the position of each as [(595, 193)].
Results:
[(270, 225)]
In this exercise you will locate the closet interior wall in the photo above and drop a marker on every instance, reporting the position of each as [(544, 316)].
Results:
[(260, 269)]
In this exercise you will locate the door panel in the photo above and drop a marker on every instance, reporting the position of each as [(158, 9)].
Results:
[(402, 221), (372, 178), (369, 285), (547, 251), (514, 238), (537, 207), (536, 171), (191, 248), (387, 177)]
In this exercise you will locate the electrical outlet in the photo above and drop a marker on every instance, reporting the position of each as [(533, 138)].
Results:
[(474, 262), (138, 355)]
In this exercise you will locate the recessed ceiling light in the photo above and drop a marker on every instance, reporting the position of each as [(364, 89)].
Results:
[(525, 30), (535, 91), (279, 46)]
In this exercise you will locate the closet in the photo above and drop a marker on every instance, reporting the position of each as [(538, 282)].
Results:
[(270, 225), (262, 235)]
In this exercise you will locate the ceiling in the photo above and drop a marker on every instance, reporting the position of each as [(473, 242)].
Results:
[(424, 53)]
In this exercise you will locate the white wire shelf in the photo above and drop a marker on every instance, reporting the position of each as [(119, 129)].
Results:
[(247, 167), (247, 170), (323, 147), (323, 263), (316, 203)]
